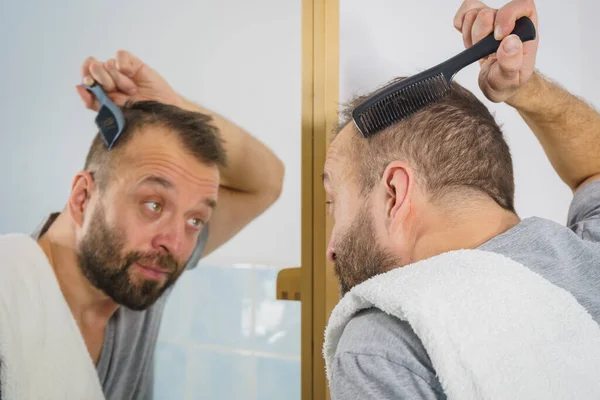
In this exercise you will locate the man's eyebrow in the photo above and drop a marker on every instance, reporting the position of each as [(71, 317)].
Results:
[(156, 180), (211, 203), (165, 183), (325, 177)]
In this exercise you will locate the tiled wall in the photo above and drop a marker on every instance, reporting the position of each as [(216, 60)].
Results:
[(225, 337)]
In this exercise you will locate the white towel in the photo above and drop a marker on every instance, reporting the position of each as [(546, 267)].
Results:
[(42, 352), (492, 328)]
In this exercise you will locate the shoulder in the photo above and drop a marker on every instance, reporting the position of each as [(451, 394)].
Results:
[(584, 212), (380, 356), (373, 332)]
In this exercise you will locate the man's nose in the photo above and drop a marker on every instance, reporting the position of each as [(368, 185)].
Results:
[(331, 251), (170, 240)]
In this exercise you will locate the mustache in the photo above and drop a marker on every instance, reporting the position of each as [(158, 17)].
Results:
[(166, 261)]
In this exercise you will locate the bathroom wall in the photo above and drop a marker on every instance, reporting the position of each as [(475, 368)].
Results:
[(390, 38), (224, 336)]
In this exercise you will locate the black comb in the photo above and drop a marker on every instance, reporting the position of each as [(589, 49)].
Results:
[(400, 100), (110, 120)]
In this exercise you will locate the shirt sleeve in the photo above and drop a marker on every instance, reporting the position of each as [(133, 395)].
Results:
[(366, 377), (584, 212)]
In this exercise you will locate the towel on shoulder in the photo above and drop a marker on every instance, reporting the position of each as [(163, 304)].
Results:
[(42, 352), (493, 329)]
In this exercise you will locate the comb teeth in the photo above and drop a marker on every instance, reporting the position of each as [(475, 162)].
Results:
[(401, 104)]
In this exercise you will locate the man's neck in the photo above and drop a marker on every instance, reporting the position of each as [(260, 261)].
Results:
[(90, 307), (448, 230)]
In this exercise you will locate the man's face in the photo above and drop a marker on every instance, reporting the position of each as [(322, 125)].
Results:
[(354, 247), (140, 231)]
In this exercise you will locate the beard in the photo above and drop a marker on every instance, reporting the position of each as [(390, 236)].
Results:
[(105, 264), (358, 255)]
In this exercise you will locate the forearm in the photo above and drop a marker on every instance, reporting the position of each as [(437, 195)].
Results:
[(567, 128), (251, 167)]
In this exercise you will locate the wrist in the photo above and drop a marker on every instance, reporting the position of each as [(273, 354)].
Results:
[(528, 95)]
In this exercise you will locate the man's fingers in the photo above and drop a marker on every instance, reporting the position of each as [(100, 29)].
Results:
[(508, 15), (128, 64), (467, 26), (466, 6), (101, 75), (123, 83), (85, 69), (483, 25), (88, 99)]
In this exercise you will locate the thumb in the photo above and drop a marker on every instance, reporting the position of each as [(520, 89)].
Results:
[(502, 78), (510, 58)]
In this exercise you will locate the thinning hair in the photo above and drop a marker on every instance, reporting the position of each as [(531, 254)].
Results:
[(452, 145), (194, 131)]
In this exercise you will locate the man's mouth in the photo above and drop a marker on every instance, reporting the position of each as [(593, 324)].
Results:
[(152, 271)]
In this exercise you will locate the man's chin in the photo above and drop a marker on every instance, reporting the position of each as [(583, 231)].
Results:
[(139, 302), (140, 295)]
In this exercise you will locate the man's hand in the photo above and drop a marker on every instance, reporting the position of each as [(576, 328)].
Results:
[(566, 127), (505, 72), (124, 78)]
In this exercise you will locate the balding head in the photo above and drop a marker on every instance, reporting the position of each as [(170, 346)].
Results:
[(454, 145), (192, 130), (393, 192)]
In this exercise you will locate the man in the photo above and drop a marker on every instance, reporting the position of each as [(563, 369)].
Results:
[(137, 213), (442, 181)]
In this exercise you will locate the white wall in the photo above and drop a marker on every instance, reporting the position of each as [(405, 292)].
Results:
[(389, 38), (240, 58)]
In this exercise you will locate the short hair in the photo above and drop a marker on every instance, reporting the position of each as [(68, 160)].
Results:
[(452, 144), (194, 131)]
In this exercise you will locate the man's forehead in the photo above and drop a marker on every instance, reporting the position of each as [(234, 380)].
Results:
[(159, 151), (152, 138), (338, 155)]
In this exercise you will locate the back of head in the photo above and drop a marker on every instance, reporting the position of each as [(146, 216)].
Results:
[(194, 131), (453, 145)]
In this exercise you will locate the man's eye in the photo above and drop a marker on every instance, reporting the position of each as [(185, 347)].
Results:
[(195, 222), (329, 205), (153, 206)]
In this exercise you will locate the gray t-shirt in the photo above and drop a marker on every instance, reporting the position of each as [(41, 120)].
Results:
[(126, 365), (380, 357)]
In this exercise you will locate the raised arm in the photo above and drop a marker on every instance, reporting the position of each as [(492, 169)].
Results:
[(250, 183), (567, 128), (253, 178)]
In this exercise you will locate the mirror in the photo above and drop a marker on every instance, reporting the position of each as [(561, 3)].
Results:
[(223, 334)]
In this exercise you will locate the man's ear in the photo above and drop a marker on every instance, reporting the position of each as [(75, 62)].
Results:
[(81, 190), (398, 182)]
